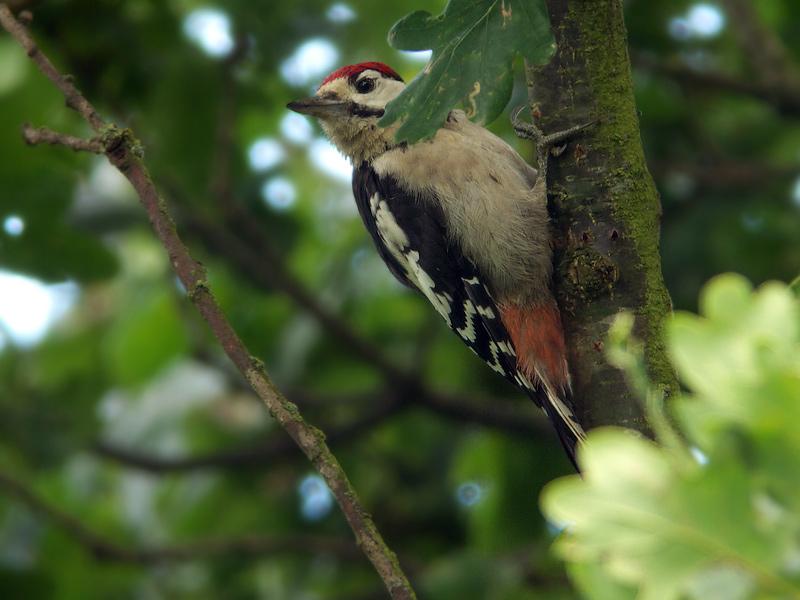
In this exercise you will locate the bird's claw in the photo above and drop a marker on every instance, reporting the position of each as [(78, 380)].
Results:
[(530, 131), (525, 130), (550, 143)]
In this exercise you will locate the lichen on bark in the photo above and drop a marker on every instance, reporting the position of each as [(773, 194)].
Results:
[(605, 208)]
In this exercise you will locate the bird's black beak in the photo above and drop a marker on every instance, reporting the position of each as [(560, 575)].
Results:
[(321, 108)]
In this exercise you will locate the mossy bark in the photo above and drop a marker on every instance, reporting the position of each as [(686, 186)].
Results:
[(605, 207)]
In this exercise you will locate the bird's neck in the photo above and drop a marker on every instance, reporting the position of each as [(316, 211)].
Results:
[(360, 140)]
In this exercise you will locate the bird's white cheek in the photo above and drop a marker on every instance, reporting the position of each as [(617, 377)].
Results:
[(388, 91)]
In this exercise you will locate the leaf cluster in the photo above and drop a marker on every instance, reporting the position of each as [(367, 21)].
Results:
[(717, 517)]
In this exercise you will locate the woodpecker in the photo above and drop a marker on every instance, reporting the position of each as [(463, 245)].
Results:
[(461, 218)]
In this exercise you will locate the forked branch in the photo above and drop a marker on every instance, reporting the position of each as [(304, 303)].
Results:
[(125, 153)]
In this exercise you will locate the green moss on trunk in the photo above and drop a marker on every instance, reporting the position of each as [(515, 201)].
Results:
[(606, 210)]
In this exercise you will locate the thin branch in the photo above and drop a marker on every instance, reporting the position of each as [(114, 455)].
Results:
[(124, 152), (726, 174), (517, 418), (486, 412), (275, 450), (785, 100), (64, 83), (765, 51), (34, 136), (103, 549)]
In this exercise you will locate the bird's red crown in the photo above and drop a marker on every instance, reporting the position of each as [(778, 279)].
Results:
[(354, 70)]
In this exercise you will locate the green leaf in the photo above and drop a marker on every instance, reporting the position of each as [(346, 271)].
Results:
[(595, 584), (719, 355), (658, 526), (474, 43), (644, 516), (144, 340)]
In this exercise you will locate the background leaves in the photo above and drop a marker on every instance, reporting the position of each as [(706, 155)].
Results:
[(724, 525)]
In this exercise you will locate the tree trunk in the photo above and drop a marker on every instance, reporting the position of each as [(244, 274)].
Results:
[(605, 208)]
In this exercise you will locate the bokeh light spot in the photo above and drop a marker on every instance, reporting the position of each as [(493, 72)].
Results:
[(210, 29), (796, 192), (752, 223), (469, 493), (296, 128), (555, 529), (13, 225), (340, 13), (265, 153), (28, 307), (698, 455), (329, 160), (316, 500), (279, 193), (309, 62), (705, 20), (420, 56), (700, 21)]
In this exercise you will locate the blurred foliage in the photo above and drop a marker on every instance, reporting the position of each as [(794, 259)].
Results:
[(130, 363), (718, 516)]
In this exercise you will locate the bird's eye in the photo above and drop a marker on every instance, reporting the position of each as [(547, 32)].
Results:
[(365, 86)]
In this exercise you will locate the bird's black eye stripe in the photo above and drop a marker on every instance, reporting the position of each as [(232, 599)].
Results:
[(366, 85)]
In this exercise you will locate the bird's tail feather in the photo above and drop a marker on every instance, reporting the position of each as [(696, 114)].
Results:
[(570, 433)]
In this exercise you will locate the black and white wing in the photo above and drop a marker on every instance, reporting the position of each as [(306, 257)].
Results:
[(410, 235)]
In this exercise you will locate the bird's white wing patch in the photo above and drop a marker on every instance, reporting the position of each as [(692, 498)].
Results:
[(442, 302), (468, 332), (389, 229), (397, 243)]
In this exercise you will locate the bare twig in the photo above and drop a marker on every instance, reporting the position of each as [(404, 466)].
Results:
[(124, 152), (104, 549), (34, 136), (72, 95)]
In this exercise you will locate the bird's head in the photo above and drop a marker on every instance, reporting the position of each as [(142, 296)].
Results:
[(349, 103)]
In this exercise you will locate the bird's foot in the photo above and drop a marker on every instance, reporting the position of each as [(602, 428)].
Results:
[(526, 130), (529, 131), (545, 143)]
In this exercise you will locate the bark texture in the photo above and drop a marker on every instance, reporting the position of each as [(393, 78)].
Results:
[(605, 208)]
